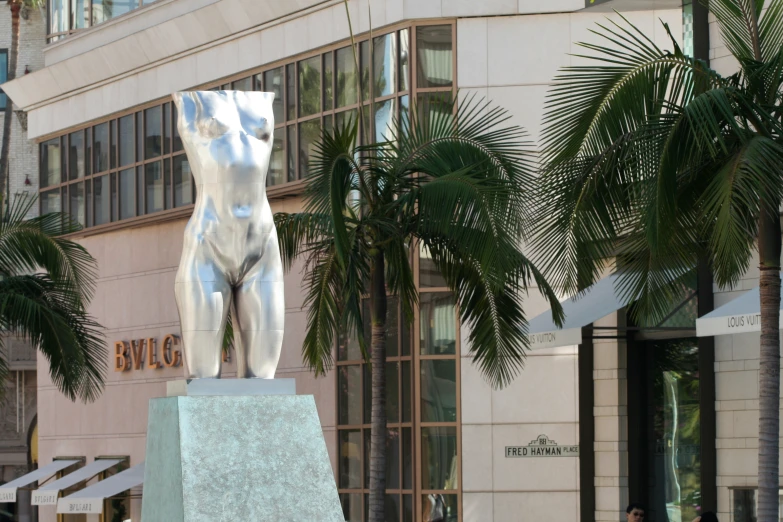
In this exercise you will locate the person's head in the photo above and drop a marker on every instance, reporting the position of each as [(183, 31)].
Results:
[(708, 516), (634, 513)]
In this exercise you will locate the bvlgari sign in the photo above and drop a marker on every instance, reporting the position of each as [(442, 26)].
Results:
[(543, 446)]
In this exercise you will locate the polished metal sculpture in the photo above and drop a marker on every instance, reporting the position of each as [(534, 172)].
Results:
[(230, 257)]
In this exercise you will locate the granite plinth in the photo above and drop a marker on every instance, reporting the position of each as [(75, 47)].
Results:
[(227, 458)]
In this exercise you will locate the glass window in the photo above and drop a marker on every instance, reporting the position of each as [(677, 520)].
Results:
[(385, 64), (364, 60), (50, 201), (103, 10), (3, 74), (101, 148), (292, 153), (154, 182), (102, 208), (139, 136), (127, 193), (273, 82), (177, 141), (245, 84), (183, 181), (51, 163), (88, 199), (114, 151), (435, 59), (258, 83), (309, 86), (115, 202), (166, 128), (429, 275), (346, 77), (80, 14), (167, 183), (407, 458), (276, 173), (439, 457), (349, 385), (290, 81), (352, 506), (126, 141), (88, 152), (438, 324), (58, 16), (392, 461), (76, 205), (439, 390), (309, 136), (153, 139), (385, 119), (437, 503), (434, 107), (328, 80), (407, 391), (404, 75), (392, 392)]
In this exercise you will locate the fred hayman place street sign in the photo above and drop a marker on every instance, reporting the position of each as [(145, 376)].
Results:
[(543, 446)]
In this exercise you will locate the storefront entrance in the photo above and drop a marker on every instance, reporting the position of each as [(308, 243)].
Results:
[(665, 432)]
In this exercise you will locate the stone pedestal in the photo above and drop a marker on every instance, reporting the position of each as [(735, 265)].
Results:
[(232, 458)]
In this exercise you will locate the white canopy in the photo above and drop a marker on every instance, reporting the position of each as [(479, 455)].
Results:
[(47, 495), (8, 490), (596, 302), (90, 499), (742, 315)]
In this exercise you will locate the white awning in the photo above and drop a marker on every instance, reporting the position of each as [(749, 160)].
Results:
[(596, 302), (90, 499), (47, 495), (741, 315), (8, 490)]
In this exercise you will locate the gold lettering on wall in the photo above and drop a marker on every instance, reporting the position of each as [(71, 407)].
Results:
[(121, 361), (135, 354), (170, 356), (152, 354)]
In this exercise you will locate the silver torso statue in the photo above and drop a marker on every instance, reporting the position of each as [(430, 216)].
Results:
[(230, 254)]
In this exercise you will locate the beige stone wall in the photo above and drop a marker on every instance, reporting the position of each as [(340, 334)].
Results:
[(134, 300)]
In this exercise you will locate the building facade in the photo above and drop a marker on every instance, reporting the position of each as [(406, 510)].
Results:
[(570, 438)]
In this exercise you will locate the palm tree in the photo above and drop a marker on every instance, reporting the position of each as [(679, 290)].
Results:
[(16, 7), (454, 183), (655, 160), (45, 285)]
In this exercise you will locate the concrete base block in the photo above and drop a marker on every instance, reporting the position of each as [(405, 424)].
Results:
[(224, 458)]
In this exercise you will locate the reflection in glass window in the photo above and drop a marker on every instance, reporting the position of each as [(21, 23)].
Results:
[(350, 458), (127, 193), (153, 139), (154, 182), (404, 60), (328, 80), (102, 209), (176, 142), (245, 84), (273, 82), (439, 390), (77, 204), (103, 10), (352, 506), (183, 181), (364, 60), (290, 81), (58, 16), (439, 458), (310, 86), (346, 77), (292, 153), (126, 140), (51, 163), (434, 108), (429, 275), (80, 14), (435, 60), (309, 136), (438, 324), (76, 155), (101, 148), (385, 64), (276, 173), (385, 120), (349, 385), (51, 202), (436, 503)]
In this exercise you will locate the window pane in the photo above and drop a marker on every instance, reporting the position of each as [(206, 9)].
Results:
[(407, 391), (384, 64), (407, 508), (349, 385), (309, 86), (76, 155), (257, 80), (101, 148), (154, 183), (392, 327), (103, 10), (276, 174), (102, 210), (166, 128), (126, 141), (328, 77), (405, 119), (438, 324), (393, 460), (245, 84), (407, 458), (290, 82), (292, 153), (77, 208), (404, 60), (348, 348), (440, 507), (346, 77), (167, 183), (434, 108), (113, 151), (58, 16), (51, 163), (392, 392), (88, 199), (439, 458), (364, 60), (153, 141), (139, 191), (429, 275), (183, 181), (114, 198), (127, 193), (309, 136), (385, 120), (367, 373), (177, 141), (350, 458), (439, 390), (345, 118), (352, 506), (50, 201), (139, 136), (273, 82), (433, 47), (88, 152)]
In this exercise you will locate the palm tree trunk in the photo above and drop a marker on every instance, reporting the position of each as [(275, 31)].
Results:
[(378, 358), (12, 59), (769, 367)]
